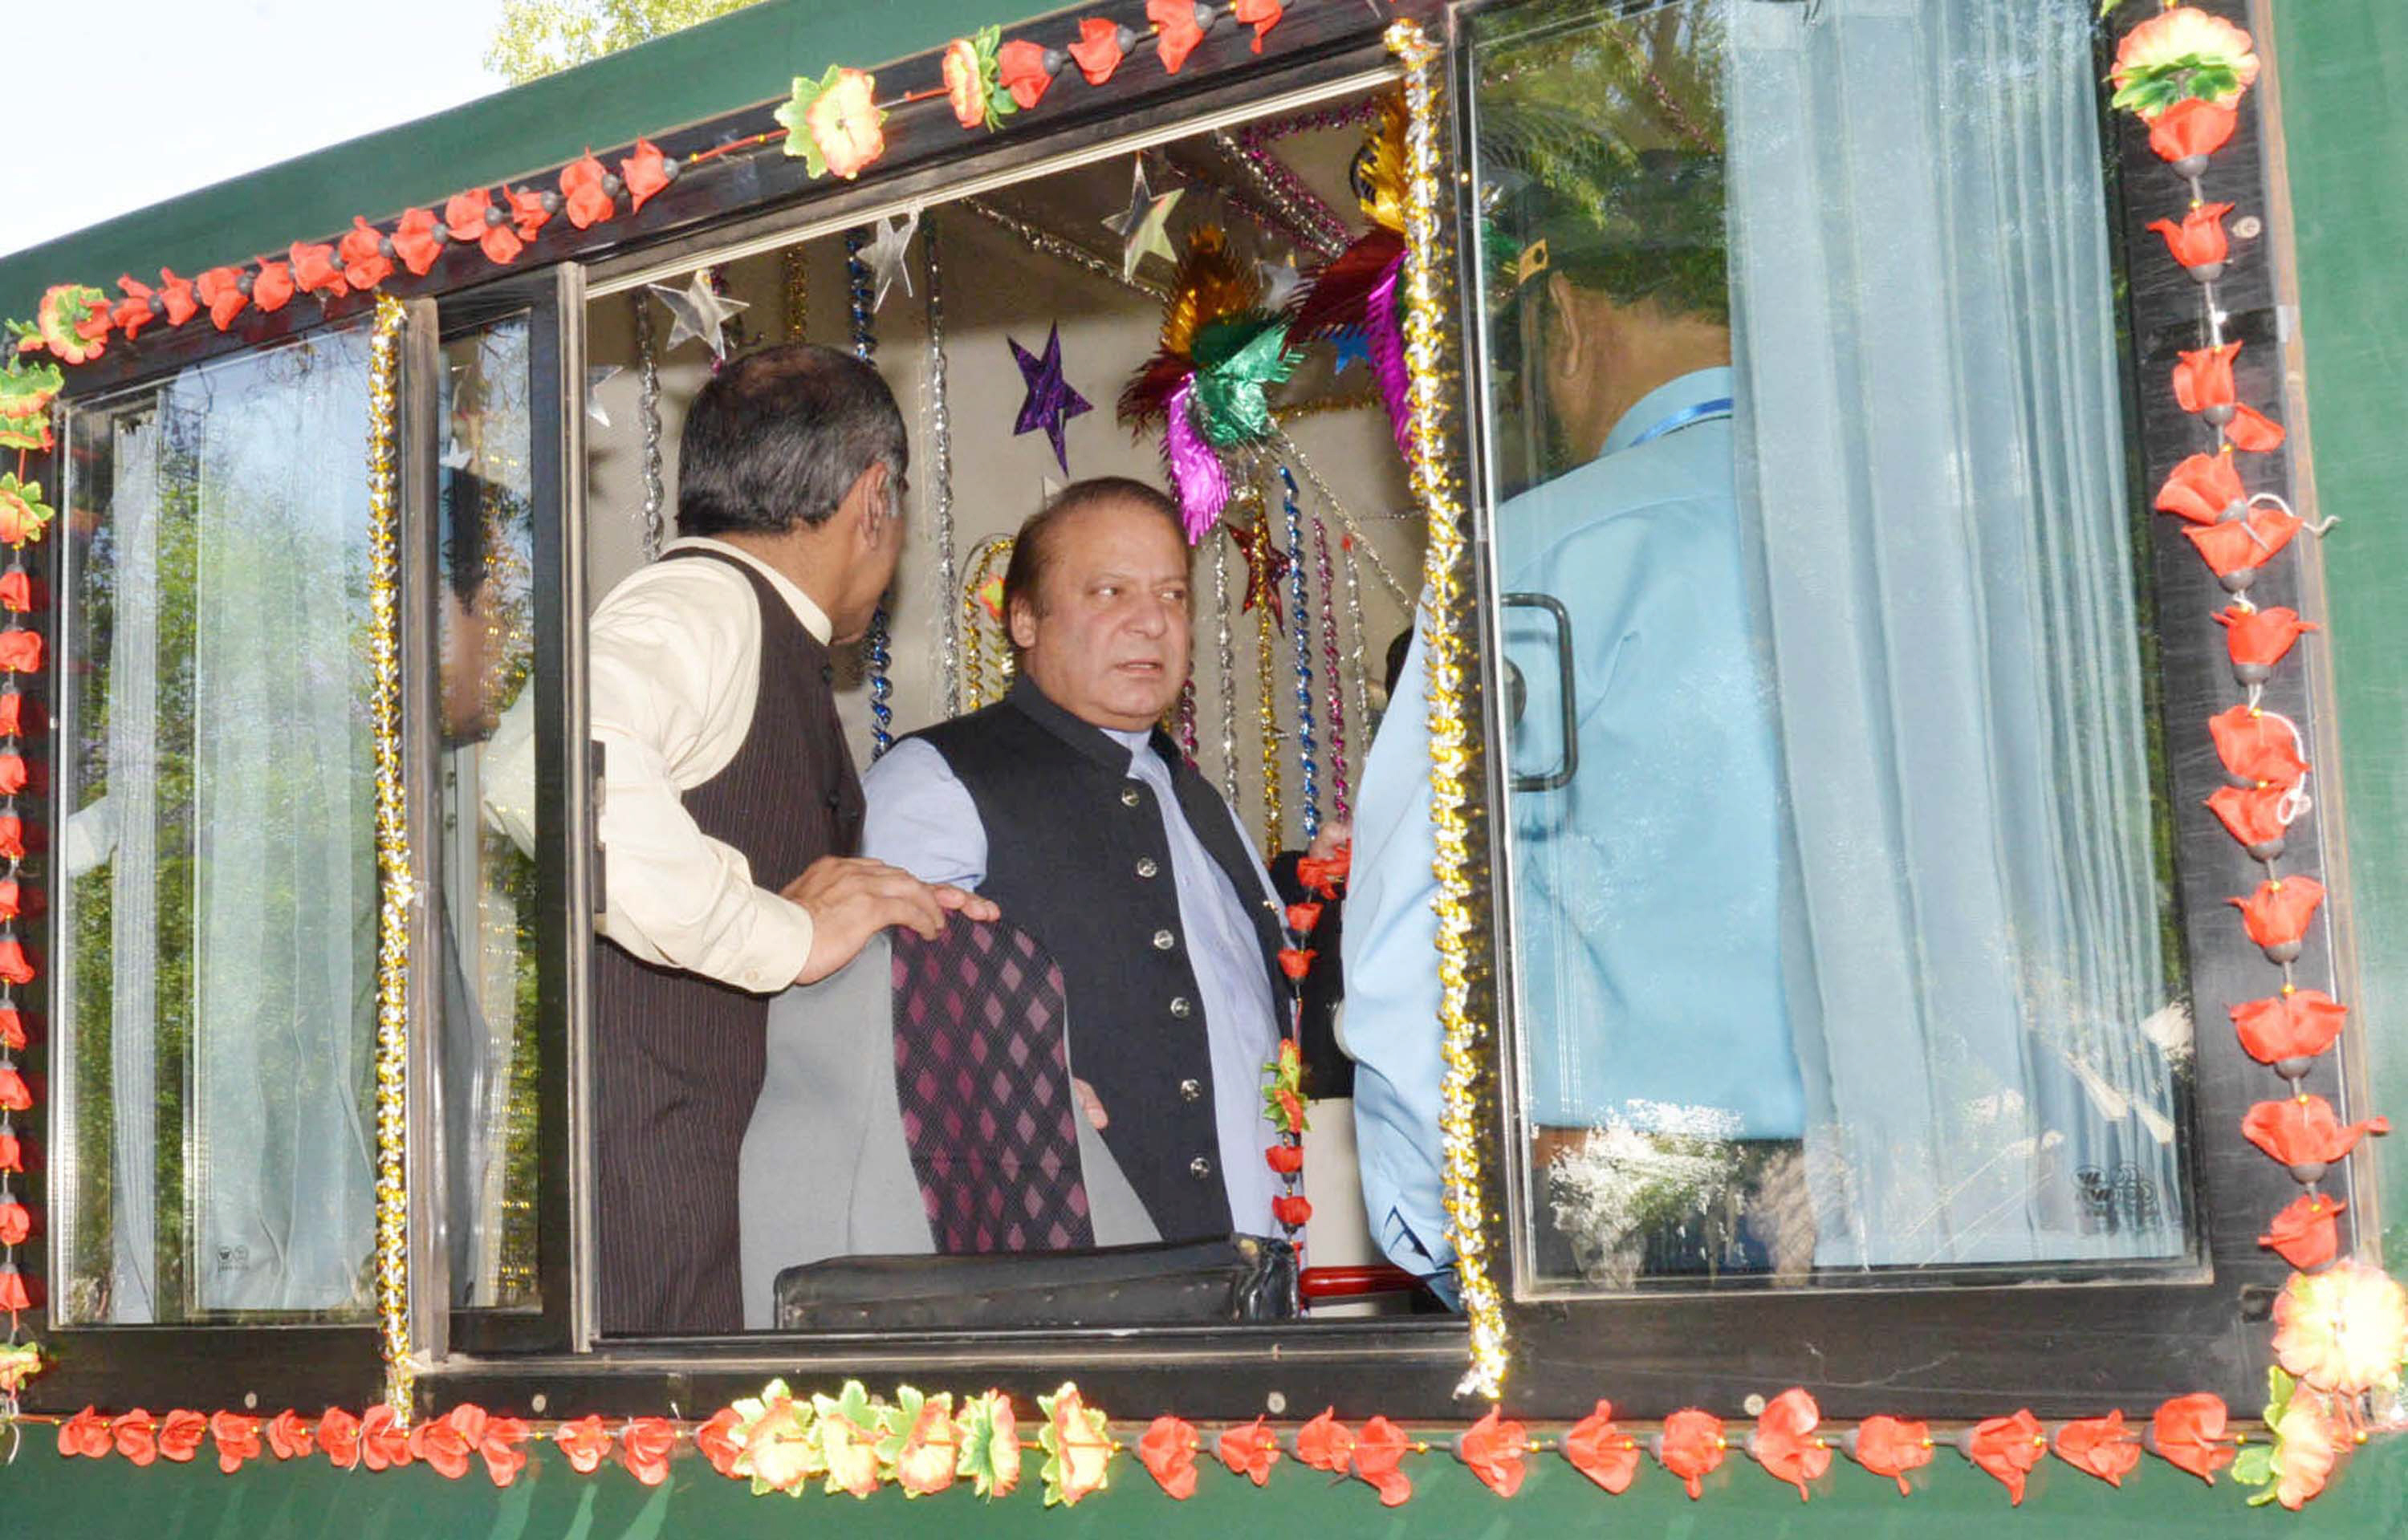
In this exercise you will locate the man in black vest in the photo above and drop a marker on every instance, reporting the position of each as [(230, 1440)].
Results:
[(1069, 806), (731, 813)]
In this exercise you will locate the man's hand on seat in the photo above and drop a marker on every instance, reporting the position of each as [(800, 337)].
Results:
[(1090, 1103), (851, 899)]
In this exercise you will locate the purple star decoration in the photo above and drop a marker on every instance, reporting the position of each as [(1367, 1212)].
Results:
[(1051, 401)]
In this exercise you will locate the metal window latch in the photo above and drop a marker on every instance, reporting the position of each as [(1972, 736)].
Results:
[(1562, 773)]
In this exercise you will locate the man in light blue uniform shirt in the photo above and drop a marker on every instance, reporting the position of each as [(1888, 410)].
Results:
[(1646, 887)]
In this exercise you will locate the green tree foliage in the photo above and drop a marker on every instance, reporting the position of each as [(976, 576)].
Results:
[(541, 38)]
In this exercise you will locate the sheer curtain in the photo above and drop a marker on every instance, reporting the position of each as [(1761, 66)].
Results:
[(1931, 479)]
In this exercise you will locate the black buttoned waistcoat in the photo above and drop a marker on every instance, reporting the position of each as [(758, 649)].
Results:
[(1078, 856)]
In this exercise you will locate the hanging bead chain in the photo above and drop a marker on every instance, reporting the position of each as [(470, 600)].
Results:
[(1183, 716), (1354, 631), (647, 379), (1227, 677), (1258, 582), (799, 293), (1300, 211), (861, 290), (1300, 615), (1321, 572)]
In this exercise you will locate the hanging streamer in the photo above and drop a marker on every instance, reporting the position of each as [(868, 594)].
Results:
[(1321, 573), (1226, 654), (1300, 630), (940, 475), (652, 532), (861, 291)]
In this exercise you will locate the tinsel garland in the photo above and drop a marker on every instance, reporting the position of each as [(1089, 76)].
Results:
[(1356, 632), (1339, 802), (652, 532), (940, 475), (1258, 579), (1302, 214), (986, 645), (1225, 655), (1300, 628), (1037, 239), (860, 292)]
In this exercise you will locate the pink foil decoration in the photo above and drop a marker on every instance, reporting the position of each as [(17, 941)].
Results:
[(1387, 343), (1195, 469)]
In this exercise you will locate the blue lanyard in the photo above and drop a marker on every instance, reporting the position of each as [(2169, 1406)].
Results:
[(1685, 417)]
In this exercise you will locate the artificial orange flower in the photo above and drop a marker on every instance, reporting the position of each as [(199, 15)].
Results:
[(1379, 1458), (2183, 34), (14, 1097), (929, 1459), (526, 210), (845, 123), (314, 269), (645, 1445), (2257, 747), (1027, 69), (382, 1443), (289, 1437), (2259, 638), (221, 290), (1302, 918), (12, 773), (1494, 1450), (14, 1296), (502, 1449), (1891, 1447), (2294, 1024), (1602, 1452), (645, 172), (2192, 129), (446, 1441), (1261, 15), (1249, 1449), (2187, 1432), (1691, 1447), (17, 590), (22, 513), (417, 240), (14, 966), (1324, 874), (2304, 1131), (2203, 489), (272, 287), (12, 835), (1325, 1443), (2307, 1449), (137, 310), (1287, 1160), (363, 250), (16, 1222), (2253, 430), (965, 92), (237, 1439), (2344, 1330), (584, 1442), (2204, 378), (2307, 1233), (2244, 544), (2252, 815), (717, 1441), (2199, 240), (176, 296), (1785, 1442), (472, 216), (1100, 48), (1296, 962), (8, 898), (1178, 27), (338, 1434), (2008, 1447), (180, 1433), (1167, 1452), (2277, 914), (12, 1153), (2100, 1446), (12, 1029), (135, 1437), (85, 1433)]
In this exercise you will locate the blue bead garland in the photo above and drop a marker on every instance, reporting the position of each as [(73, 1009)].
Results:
[(876, 653), (1300, 621)]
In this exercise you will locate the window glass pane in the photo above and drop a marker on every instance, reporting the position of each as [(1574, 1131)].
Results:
[(219, 911), (488, 1054), (1842, 937)]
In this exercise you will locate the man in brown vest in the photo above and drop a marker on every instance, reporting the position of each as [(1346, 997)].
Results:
[(731, 810)]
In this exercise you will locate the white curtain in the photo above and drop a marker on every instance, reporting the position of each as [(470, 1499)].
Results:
[(1931, 479), (284, 894)]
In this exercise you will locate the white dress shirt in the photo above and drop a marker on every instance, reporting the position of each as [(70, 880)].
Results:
[(673, 669)]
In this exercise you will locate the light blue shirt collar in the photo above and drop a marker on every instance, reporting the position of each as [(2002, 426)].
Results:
[(1666, 400)]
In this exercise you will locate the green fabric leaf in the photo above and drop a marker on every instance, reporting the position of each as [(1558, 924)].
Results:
[(988, 1459), (2279, 1387), (27, 387), (794, 116), (988, 41), (2150, 89), (2256, 1466)]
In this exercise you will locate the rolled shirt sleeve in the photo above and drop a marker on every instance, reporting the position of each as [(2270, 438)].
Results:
[(675, 670)]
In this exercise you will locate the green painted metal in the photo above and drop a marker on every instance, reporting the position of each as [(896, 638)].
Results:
[(750, 56), (2343, 68), (42, 1494)]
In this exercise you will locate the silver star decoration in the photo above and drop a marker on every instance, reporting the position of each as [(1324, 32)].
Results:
[(1279, 280), (1048, 489), (698, 311), (1145, 226), (885, 253), (455, 456), (595, 379)]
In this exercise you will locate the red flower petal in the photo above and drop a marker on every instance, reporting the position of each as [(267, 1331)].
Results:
[(271, 287), (135, 1436), (12, 773), (180, 1434), (2304, 1131), (13, 1294), (1494, 1450), (2008, 1448), (2260, 638), (237, 1439), (2248, 542), (12, 1029), (1601, 1451), (527, 212), (1292, 1211), (338, 1434), (1302, 918), (289, 1437), (500, 1447), (2188, 1432), (2307, 1233), (1287, 1160), (1324, 873), (2253, 430), (1176, 30), (1249, 1449), (16, 1222), (1296, 962), (2192, 127), (645, 1445), (15, 966), (2199, 240), (382, 1443), (2253, 817), (1261, 15), (501, 245), (2295, 1024), (584, 1442), (1098, 50), (221, 290), (2204, 378), (1168, 1451), (2100, 1445), (16, 591), (2279, 912), (1379, 1453), (14, 1097), (464, 214), (314, 269), (415, 241), (86, 1434), (2257, 747), (177, 295), (2201, 488), (717, 1441), (136, 310), (1325, 1443), (1785, 1444), (1025, 70), (643, 173), (1691, 1447), (1891, 1447)]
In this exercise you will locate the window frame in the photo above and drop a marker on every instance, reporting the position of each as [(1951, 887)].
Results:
[(2061, 1348)]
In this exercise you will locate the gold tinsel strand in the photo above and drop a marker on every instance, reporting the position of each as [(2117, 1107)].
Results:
[(397, 894), (1454, 757), (1258, 582), (799, 293), (986, 639)]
